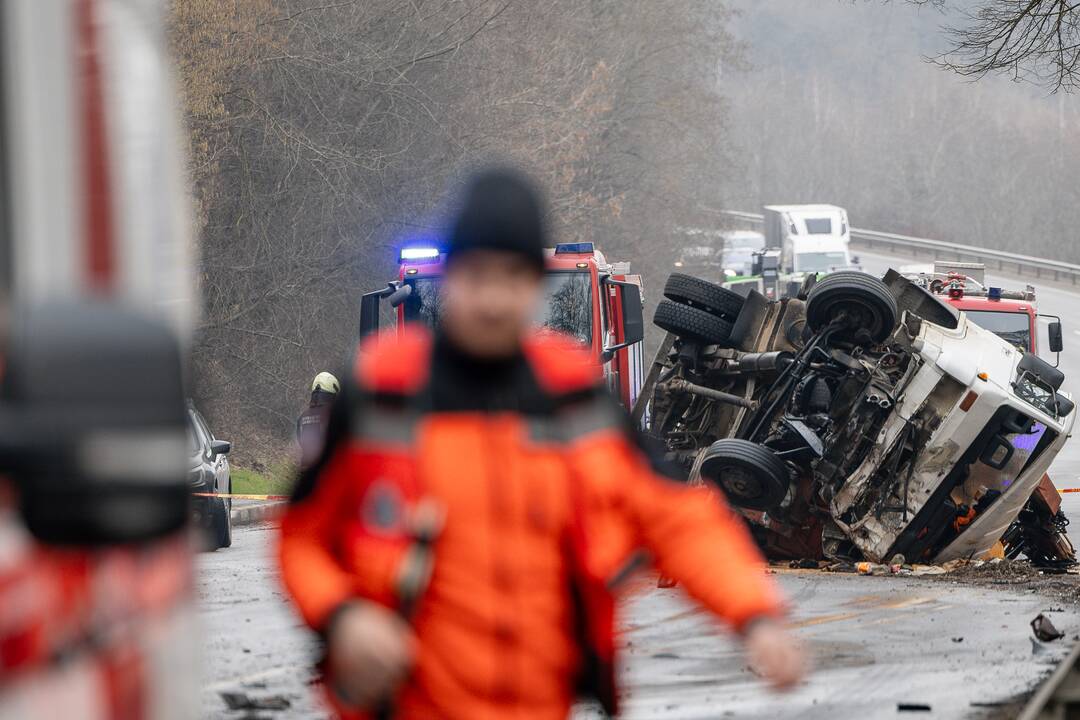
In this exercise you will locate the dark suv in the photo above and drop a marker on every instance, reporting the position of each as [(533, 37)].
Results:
[(209, 473)]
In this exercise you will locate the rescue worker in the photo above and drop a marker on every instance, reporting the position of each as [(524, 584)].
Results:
[(311, 425), (479, 499)]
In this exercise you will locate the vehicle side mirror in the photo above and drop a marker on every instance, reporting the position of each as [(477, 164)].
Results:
[(220, 447), (93, 424), (369, 313), (1057, 343), (633, 314), (633, 317)]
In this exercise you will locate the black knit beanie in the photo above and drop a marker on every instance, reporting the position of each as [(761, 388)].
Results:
[(502, 210)]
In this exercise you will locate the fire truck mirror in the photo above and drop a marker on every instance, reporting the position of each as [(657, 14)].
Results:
[(93, 432), (369, 313), (633, 316), (1056, 342)]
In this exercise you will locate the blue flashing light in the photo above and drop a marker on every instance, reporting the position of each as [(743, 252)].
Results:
[(579, 248), (993, 293), (419, 253)]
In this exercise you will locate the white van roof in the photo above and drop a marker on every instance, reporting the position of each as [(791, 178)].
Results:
[(807, 209)]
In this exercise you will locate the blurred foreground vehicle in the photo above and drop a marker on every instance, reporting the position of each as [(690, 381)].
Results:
[(96, 592), (209, 476), (597, 303), (862, 419)]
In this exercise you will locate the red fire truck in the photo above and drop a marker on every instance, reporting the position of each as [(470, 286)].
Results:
[(596, 302), (1013, 315)]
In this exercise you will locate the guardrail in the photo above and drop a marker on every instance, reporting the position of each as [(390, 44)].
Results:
[(1059, 695), (924, 248)]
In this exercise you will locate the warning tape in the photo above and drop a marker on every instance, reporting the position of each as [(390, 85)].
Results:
[(1065, 490), (242, 496)]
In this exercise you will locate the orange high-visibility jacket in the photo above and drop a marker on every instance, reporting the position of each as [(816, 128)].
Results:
[(546, 498)]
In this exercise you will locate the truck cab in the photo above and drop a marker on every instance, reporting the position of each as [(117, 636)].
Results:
[(1012, 315), (595, 302)]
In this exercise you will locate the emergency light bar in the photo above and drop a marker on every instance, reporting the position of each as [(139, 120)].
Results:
[(579, 248), (419, 253)]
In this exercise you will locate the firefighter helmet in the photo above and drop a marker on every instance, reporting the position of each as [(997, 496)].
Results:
[(326, 382)]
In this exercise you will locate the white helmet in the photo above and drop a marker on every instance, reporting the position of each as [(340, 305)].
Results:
[(326, 382)]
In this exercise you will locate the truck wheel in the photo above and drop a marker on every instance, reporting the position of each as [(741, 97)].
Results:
[(750, 475), (691, 323), (861, 303), (689, 290)]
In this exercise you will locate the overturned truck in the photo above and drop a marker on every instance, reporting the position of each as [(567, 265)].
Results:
[(863, 418)]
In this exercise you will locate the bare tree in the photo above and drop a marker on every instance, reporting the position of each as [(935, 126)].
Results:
[(324, 133), (1035, 40)]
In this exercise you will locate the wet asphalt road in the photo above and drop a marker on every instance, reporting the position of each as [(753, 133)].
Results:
[(876, 641)]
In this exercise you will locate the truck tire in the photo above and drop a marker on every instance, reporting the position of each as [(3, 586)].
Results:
[(751, 476), (221, 521), (689, 290), (691, 323), (861, 303)]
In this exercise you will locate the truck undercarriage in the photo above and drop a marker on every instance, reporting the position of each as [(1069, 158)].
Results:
[(861, 419)]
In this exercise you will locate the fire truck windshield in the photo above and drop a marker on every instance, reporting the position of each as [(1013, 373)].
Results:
[(567, 305), (1013, 327)]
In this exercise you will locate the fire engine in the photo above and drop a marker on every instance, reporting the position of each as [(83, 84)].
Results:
[(1012, 315), (596, 302)]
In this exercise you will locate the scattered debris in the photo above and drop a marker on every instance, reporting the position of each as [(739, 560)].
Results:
[(912, 707), (804, 564), (927, 570), (841, 567), (243, 701), (1044, 629)]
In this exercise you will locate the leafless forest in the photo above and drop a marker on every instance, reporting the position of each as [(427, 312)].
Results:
[(324, 133), (845, 103)]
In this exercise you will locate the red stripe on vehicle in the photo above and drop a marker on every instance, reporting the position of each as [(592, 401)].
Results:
[(97, 207)]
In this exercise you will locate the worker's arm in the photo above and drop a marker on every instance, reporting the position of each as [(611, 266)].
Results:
[(692, 535), (310, 570), (697, 540)]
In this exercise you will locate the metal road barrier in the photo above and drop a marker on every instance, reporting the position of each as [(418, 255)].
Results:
[(1059, 695), (924, 248)]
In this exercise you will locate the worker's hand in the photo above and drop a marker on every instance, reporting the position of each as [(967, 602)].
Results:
[(370, 651), (775, 654)]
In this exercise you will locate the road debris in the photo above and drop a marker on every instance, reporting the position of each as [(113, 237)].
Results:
[(243, 701), (1044, 629), (912, 707)]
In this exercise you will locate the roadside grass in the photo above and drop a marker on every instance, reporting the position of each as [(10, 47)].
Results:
[(274, 480)]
